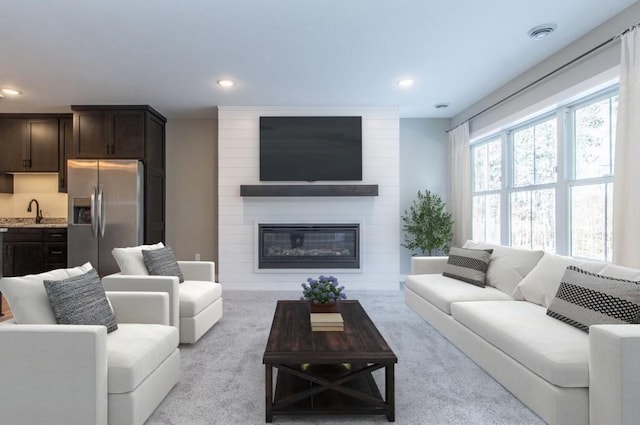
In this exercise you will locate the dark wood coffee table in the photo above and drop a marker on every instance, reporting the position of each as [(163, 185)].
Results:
[(326, 373)]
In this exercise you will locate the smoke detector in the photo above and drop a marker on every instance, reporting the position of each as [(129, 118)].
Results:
[(542, 31), (441, 105)]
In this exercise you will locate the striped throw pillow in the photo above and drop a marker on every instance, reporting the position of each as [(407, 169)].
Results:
[(162, 262), (80, 300), (468, 265), (584, 299)]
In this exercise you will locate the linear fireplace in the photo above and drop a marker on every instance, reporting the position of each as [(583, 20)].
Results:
[(308, 246)]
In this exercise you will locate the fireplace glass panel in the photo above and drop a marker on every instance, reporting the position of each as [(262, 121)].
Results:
[(309, 246)]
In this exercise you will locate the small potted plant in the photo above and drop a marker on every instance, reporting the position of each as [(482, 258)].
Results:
[(322, 293), (427, 225)]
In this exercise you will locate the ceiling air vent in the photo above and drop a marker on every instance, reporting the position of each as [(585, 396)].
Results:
[(542, 31)]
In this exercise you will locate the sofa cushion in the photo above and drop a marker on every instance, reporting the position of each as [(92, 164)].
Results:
[(80, 300), (134, 351), (441, 291), (541, 284), (28, 299), (508, 265), (130, 259), (196, 295), (586, 299), (468, 265), (555, 351)]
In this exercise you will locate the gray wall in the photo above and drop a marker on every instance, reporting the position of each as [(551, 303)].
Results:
[(192, 182), (424, 165)]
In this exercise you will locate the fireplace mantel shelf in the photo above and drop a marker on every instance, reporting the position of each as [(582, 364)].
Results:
[(309, 190)]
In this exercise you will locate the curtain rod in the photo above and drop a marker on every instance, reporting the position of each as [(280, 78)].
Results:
[(547, 75)]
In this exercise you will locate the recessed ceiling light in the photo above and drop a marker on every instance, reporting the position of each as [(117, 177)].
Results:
[(441, 105), (405, 83), (11, 92), (542, 31), (225, 83)]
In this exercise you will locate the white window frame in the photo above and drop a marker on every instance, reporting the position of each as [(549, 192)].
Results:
[(571, 180), (565, 168)]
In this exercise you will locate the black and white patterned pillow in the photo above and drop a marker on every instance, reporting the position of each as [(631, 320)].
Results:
[(162, 262), (584, 299), (80, 300), (468, 265)]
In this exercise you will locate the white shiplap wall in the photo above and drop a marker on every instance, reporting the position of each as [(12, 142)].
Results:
[(238, 163)]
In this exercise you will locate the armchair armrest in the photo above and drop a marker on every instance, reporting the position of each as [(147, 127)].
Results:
[(428, 265), (614, 374), (198, 270), (140, 307), (144, 283), (53, 374)]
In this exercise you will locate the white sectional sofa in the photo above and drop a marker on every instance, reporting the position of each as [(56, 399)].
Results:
[(565, 375)]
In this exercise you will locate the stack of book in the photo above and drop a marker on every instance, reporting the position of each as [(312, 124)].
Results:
[(324, 322)]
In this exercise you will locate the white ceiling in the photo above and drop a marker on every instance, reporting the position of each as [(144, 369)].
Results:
[(169, 53)]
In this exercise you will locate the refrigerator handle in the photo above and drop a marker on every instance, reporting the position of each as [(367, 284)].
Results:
[(94, 214), (102, 220)]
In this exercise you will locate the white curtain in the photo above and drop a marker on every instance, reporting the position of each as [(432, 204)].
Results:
[(460, 183), (626, 183)]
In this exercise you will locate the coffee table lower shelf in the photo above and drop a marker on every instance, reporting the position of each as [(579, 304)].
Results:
[(329, 390)]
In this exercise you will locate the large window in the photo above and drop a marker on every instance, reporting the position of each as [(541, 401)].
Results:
[(547, 183)]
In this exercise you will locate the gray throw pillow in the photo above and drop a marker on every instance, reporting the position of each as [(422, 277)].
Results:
[(584, 299), (80, 300), (162, 262), (468, 265)]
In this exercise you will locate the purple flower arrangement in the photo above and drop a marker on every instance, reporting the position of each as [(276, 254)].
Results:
[(324, 290)]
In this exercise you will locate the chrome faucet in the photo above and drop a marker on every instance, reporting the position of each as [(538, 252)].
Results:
[(38, 210)]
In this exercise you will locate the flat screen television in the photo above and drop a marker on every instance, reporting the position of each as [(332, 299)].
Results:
[(310, 148)]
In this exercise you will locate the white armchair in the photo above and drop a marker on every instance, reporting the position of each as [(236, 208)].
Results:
[(80, 375), (195, 305)]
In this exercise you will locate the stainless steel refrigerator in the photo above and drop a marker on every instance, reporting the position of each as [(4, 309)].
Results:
[(105, 210)]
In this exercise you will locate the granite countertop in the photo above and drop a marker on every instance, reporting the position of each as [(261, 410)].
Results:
[(31, 222)]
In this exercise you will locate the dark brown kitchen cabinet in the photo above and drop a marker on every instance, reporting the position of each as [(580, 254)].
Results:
[(65, 148), (22, 258), (13, 137), (41, 150), (108, 133), (54, 249), (29, 144), (33, 250)]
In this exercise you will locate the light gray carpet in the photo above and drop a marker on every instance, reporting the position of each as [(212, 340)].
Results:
[(222, 379)]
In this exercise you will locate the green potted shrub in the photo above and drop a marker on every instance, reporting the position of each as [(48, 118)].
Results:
[(427, 225)]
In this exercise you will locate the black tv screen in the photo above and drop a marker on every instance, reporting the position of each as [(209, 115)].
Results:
[(310, 148)]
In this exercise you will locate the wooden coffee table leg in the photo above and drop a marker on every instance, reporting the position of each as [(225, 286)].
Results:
[(268, 389), (389, 385)]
